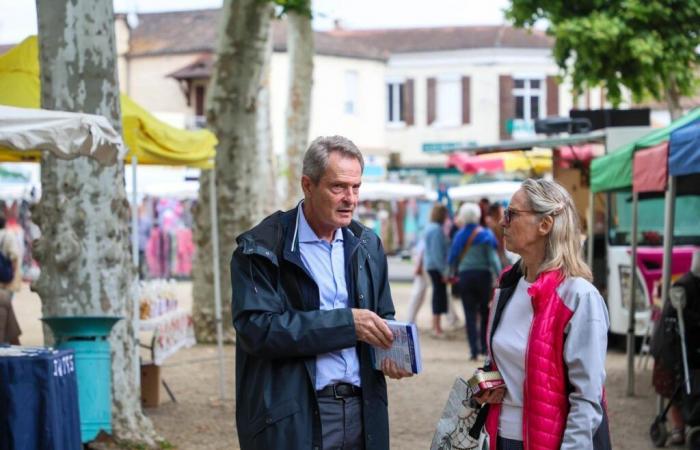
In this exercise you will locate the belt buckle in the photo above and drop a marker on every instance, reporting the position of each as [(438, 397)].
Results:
[(335, 392)]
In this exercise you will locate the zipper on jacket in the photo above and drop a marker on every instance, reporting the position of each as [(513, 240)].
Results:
[(527, 352)]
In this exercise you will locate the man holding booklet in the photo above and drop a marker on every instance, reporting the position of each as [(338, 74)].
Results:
[(310, 299)]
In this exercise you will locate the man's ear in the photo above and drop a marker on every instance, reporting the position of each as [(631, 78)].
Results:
[(306, 185), (545, 225)]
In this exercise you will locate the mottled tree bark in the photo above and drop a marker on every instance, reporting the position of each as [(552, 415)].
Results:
[(84, 251), (300, 47), (243, 181)]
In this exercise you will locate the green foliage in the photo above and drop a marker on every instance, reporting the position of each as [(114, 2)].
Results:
[(299, 6), (648, 46)]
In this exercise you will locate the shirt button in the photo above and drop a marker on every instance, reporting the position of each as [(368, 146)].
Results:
[(268, 420), (362, 296), (361, 267)]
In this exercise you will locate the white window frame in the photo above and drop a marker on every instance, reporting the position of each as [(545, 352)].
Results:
[(527, 93), (395, 83), (448, 122), (352, 89)]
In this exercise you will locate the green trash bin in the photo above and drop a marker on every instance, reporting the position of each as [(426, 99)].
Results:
[(87, 337)]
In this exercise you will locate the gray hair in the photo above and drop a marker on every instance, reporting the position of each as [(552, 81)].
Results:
[(468, 213), (316, 157), (563, 248)]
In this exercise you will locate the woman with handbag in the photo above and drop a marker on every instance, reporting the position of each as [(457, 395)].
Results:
[(473, 257), (547, 332)]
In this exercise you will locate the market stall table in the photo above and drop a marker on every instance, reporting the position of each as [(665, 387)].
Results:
[(38, 399), (169, 333)]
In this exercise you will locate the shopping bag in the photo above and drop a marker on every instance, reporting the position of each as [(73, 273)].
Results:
[(457, 420)]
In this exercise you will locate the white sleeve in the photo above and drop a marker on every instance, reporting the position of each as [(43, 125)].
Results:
[(584, 355)]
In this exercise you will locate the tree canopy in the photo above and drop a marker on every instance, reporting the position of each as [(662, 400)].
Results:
[(649, 47)]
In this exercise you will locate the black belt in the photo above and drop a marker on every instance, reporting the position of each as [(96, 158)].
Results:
[(340, 390)]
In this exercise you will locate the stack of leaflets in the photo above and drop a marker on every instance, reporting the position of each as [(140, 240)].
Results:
[(404, 351)]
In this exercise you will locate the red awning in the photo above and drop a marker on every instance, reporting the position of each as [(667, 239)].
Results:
[(474, 163), (575, 155), (650, 169)]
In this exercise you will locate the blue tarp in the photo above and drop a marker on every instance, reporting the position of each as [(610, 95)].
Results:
[(684, 150)]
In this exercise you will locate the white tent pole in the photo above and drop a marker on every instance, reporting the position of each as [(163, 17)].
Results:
[(591, 231), (633, 297), (217, 277), (135, 261), (134, 215), (669, 211)]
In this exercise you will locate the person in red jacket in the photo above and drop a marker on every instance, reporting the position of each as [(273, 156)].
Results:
[(551, 346)]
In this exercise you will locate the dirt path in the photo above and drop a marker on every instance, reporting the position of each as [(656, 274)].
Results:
[(200, 421)]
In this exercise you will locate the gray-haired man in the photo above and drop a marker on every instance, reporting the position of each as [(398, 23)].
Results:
[(310, 290)]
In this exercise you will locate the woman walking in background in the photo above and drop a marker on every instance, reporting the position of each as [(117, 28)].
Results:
[(435, 263), (473, 254), (548, 332)]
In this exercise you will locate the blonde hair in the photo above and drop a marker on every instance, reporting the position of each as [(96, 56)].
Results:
[(563, 248)]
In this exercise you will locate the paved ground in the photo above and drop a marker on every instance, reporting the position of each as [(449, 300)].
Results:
[(201, 421)]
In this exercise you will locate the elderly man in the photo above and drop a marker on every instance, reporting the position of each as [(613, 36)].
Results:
[(310, 292)]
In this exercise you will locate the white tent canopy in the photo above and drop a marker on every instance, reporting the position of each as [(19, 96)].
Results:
[(391, 191), (64, 134), (495, 191)]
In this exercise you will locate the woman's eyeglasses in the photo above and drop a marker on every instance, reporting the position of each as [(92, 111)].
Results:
[(509, 213)]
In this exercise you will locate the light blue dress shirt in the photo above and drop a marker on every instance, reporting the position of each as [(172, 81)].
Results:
[(326, 265)]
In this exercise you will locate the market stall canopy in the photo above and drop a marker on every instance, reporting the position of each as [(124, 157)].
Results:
[(495, 191), (149, 139), (684, 153), (391, 191), (64, 134), (614, 170), (536, 161), (650, 169)]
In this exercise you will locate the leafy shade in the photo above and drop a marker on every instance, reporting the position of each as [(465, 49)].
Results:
[(650, 47)]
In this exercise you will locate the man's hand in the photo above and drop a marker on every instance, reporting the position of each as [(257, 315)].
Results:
[(491, 396), (391, 370), (371, 328)]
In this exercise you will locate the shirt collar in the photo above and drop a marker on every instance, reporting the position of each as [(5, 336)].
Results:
[(307, 234)]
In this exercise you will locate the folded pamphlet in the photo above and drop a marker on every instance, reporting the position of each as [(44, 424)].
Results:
[(404, 351)]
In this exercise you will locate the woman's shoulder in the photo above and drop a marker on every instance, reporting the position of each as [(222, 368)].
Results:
[(576, 290)]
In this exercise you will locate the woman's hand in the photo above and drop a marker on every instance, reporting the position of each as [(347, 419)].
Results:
[(491, 396)]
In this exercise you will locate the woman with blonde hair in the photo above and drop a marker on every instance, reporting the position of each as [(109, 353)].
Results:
[(547, 332)]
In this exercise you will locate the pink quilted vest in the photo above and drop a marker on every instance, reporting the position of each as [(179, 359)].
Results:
[(546, 403)]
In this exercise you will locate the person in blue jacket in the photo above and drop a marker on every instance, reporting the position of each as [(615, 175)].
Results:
[(473, 256), (310, 295)]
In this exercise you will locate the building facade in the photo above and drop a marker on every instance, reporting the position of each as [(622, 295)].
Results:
[(408, 93)]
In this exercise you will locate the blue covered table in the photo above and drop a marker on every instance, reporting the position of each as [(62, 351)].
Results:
[(38, 399)]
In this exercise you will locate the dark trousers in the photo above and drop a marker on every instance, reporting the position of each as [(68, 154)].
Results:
[(508, 444), (439, 292), (341, 423), (475, 289)]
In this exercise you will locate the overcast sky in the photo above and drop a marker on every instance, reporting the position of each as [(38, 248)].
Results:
[(18, 17)]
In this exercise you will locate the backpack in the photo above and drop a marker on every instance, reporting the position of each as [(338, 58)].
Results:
[(7, 273)]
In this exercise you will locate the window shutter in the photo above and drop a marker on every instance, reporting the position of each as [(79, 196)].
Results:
[(431, 100), (466, 100), (507, 104), (408, 102), (552, 96)]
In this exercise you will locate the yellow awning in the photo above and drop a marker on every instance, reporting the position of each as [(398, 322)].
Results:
[(149, 139)]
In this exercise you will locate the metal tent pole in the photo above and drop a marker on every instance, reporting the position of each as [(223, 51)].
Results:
[(217, 277), (633, 297)]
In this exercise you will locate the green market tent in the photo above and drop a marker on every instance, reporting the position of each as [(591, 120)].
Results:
[(614, 170)]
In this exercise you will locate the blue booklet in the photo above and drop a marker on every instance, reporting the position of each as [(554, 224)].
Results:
[(405, 350)]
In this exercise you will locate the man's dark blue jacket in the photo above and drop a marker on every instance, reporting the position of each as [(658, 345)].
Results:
[(280, 330)]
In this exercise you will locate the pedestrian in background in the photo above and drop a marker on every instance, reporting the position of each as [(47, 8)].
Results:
[(548, 332), (9, 327), (473, 257), (435, 262)]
